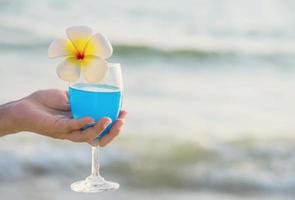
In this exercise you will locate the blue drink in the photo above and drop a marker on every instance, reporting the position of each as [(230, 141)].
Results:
[(95, 101)]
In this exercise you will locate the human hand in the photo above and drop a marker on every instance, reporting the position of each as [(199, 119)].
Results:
[(47, 112)]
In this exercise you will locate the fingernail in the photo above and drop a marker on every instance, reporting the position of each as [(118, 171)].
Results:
[(106, 123)]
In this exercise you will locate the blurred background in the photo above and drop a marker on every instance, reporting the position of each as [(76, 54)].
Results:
[(208, 87)]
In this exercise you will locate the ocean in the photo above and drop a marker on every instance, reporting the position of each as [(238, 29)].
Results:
[(208, 86)]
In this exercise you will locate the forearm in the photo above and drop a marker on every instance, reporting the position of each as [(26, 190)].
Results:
[(8, 124)]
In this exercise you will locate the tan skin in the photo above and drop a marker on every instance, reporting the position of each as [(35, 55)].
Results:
[(47, 112)]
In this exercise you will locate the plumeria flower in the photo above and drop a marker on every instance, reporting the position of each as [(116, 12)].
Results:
[(83, 52)]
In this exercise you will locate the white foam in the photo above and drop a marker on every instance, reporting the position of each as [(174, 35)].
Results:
[(95, 88)]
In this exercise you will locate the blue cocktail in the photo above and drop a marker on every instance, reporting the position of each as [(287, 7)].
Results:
[(95, 101)]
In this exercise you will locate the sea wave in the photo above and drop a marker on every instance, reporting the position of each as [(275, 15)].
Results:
[(245, 166), (147, 51)]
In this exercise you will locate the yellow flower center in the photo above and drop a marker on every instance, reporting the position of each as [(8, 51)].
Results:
[(79, 49)]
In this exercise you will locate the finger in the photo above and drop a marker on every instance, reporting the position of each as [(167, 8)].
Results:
[(122, 114), (90, 133), (114, 132), (77, 124)]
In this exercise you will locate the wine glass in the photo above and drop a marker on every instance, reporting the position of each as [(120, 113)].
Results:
[(97, 100)]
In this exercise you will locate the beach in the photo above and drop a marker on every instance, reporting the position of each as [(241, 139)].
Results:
[(208, 88)]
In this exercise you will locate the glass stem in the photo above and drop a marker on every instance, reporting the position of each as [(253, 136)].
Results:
[(95, 162)]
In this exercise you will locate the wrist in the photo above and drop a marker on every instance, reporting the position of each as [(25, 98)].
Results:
[(8, 120), (20, 121)]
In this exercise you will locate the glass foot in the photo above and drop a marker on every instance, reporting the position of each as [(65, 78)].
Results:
[(94, 184)]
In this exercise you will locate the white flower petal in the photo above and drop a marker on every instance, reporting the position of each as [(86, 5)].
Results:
[(79, 35), (99, 46), (78, 31), (58, 48), (94, 69), (68, 70)]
